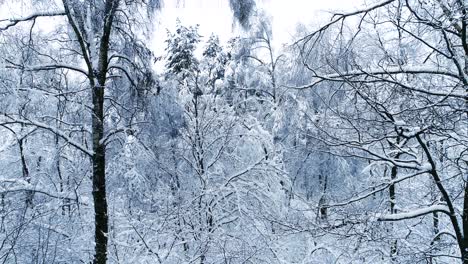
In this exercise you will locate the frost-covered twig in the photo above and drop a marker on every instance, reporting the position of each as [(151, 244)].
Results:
[(414, 213), (9, 121), (14, 21)]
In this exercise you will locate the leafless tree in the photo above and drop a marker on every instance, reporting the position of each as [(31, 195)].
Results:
[(398, 72)]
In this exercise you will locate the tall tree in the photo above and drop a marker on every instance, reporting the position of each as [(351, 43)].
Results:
[(105, 38), (403, 77)]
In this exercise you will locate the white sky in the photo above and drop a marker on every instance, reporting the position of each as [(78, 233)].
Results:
[(215, 16)]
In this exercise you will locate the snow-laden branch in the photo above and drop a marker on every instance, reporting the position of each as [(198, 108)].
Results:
[(337, 17), (18, 185), (14, 21), (378, 72), (414, 213), (51, 228), (128, 129), (52, 129), (364, 10), (45, 67), (244, 171), (450, 15), (377, 189)]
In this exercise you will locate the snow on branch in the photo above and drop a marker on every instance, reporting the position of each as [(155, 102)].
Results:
[(18, 185), (337, 17), (414, 213), (379, 188), (14, 21), (45, 67), (370, 72), (240, 173), (377, 75), (54, 130)]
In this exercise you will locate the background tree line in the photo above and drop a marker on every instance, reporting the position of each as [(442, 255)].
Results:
[(348, 146)]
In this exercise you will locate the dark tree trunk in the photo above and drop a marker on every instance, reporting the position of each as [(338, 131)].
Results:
[(99, 148), (392, 192), (464, 242), (393, 210), (25, 170), (99, 178)]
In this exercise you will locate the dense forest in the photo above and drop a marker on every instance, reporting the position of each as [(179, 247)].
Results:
[(347, 145)]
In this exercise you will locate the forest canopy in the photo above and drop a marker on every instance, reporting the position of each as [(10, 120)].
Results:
[(349, 144)]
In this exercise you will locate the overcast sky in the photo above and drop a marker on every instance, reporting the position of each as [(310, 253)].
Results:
[(215, 16)]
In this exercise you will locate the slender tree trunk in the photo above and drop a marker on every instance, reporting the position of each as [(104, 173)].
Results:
[(392, 192), (99, 178), (198, 154), (99, 156), (393, 210), (25, 171), (460, 230), (464, 242), (464, 40)]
